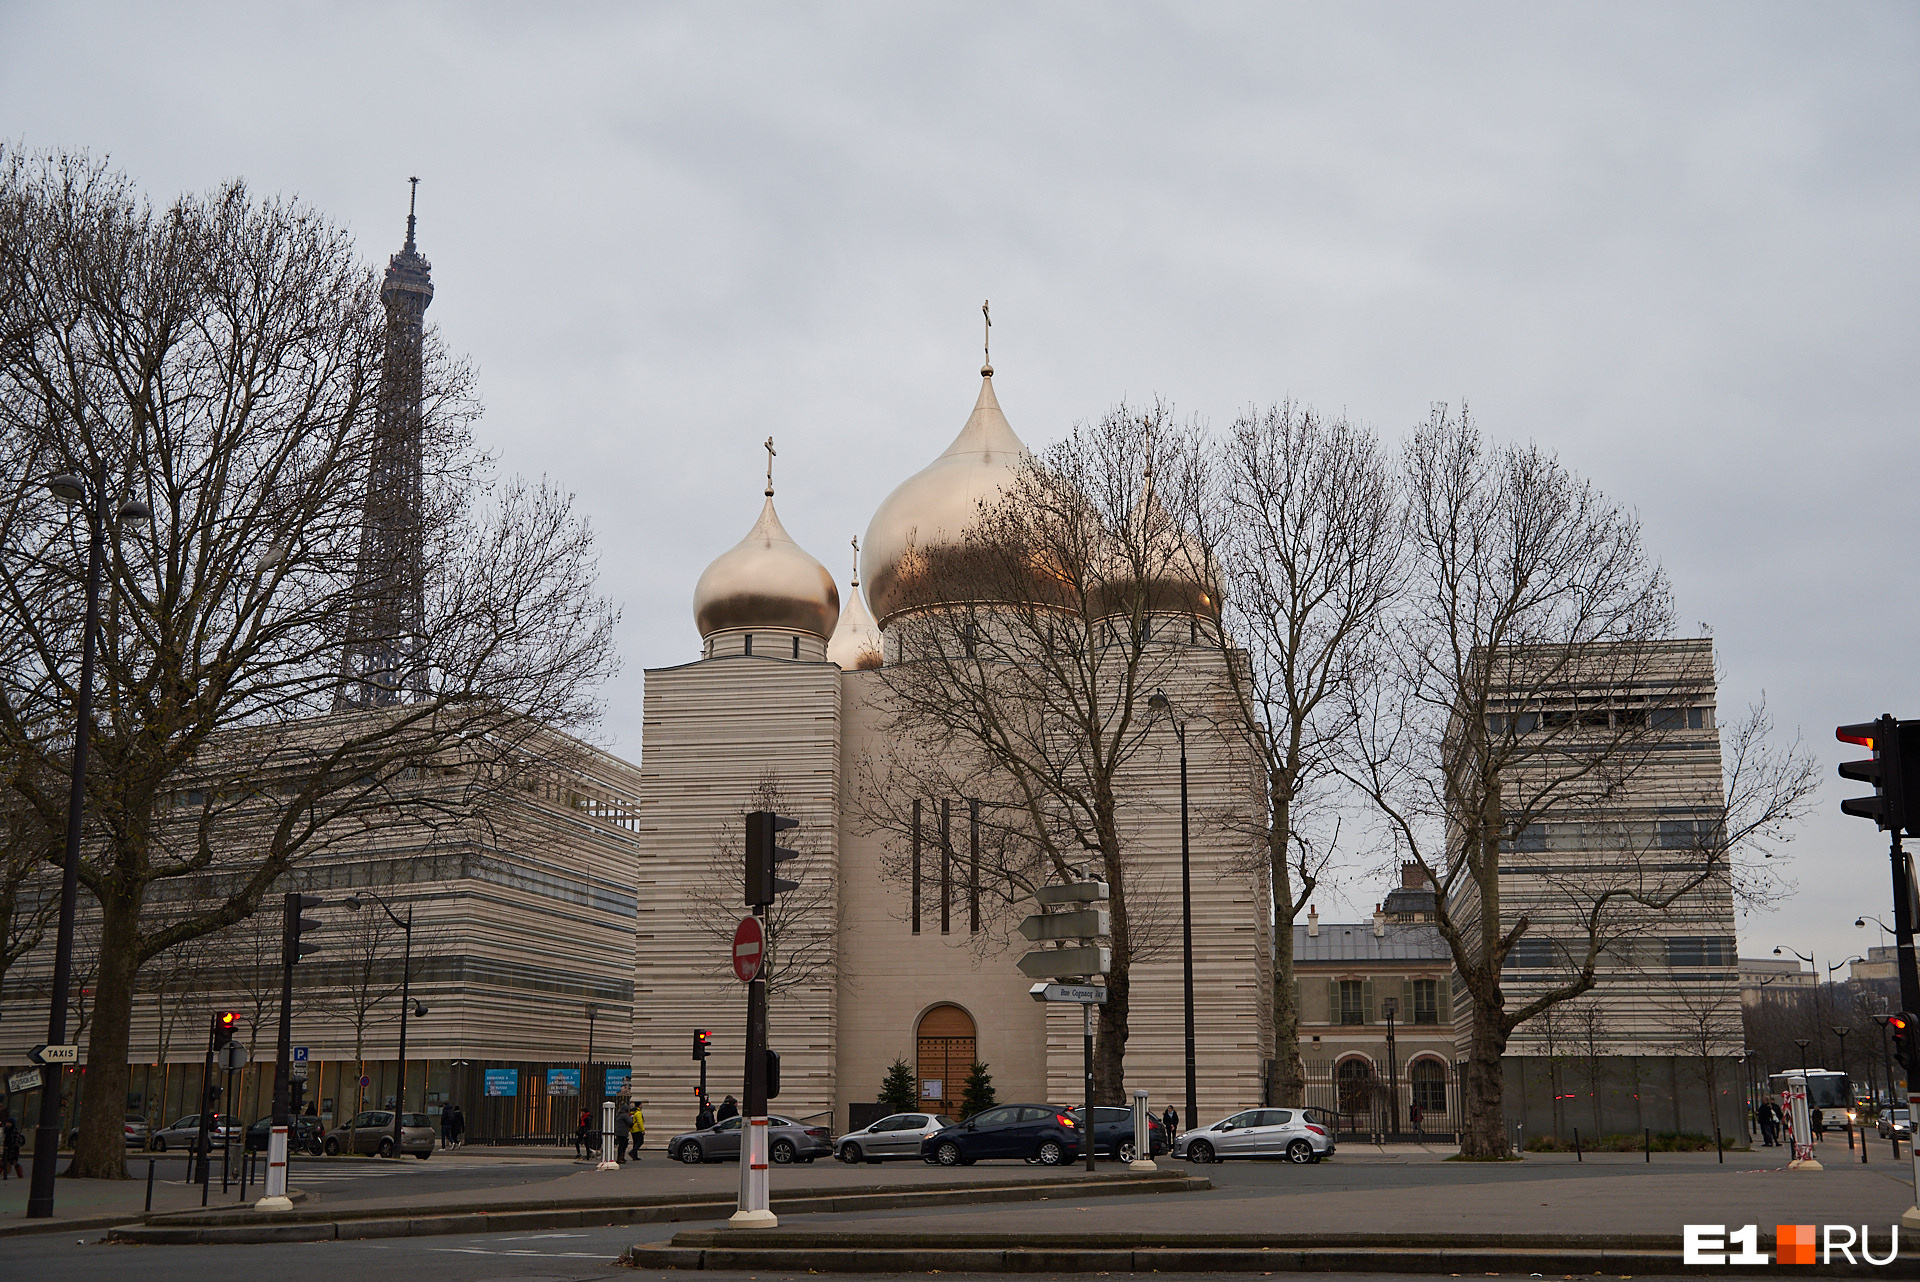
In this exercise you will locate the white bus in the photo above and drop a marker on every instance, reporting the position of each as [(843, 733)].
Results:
[(1828, 1091)]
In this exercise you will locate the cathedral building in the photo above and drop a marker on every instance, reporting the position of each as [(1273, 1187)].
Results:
[(784, 706)]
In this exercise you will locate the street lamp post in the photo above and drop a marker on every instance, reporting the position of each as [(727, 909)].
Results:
[(355, 901), (1159, 703), (1886, 1053), (1390, 1006), (593, 1012), (71, 489)]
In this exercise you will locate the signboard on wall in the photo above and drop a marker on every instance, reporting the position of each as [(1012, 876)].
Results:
[(617, 1080), (563, 1081), (503, 1081), (27, 1079)]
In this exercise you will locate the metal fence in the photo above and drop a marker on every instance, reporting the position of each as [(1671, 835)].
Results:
[(1352, 1098)]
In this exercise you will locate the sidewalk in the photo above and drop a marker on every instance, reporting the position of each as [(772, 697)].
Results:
[(97, 1204)]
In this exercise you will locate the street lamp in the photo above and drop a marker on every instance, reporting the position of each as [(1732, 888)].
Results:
[(1841, 1032), (1811, 965), (71, 489), (1862, 920), (1886, 1053), (593, 1012), (1159, 704), (355, 902), (1803, 1043)]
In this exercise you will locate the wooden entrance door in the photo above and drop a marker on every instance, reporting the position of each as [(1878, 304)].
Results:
[(946, 1053)]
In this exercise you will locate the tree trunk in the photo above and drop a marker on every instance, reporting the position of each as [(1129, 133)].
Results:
[(101, 1153), (1484, 1131), (1288, 1084), (1110, 1036)]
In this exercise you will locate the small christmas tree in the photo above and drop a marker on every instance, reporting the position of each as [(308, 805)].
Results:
[(979, 1095), (900, 1092)]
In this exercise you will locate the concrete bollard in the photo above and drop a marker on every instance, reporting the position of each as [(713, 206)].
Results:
[(607, 1162), (1142, 1134)]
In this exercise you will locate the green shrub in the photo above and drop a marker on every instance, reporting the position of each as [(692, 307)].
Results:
[(979, 1094), (900, 1092)]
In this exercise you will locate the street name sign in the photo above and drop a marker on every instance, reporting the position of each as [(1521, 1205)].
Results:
[(749, 949), (1094, 993), (27, 1079), (44, 1054), (1063, 963), (1085, 924), (1072, 892)]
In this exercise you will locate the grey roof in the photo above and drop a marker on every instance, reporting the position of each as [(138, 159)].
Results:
[(1343, 941), (1409, 899)]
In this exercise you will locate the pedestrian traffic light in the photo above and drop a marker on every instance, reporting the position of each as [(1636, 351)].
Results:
[(773, 1073), (293, 925), (1893, 770), (702, 1042), (1904, 1048), (765, 855), (223, 1025)]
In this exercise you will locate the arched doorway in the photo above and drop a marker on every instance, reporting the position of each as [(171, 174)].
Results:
[(1354, 1077), (946, 1051)]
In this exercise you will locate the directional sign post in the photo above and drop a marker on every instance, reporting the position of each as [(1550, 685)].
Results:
[(1068, 951), (1083, 993), (44, 1054), (749, 949)]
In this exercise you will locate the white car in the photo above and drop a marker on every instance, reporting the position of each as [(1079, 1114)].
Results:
[(1258, 1132), (896, 1135), (1894, 1121)]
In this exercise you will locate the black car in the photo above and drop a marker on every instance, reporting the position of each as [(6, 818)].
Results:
[(1113, 1132), (304, 1135), (1043, 1133)]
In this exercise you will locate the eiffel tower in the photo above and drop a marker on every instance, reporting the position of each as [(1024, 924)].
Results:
[(384, 661)]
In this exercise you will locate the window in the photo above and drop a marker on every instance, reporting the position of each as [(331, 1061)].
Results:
[(1430, 1086), (1426, 1001), (997, 1117), (1532, 839), (1695, 951), (1275, 1117), (1353, 1002), (1531, 954), (749, 649), (1033, 1113), (1668, 718), (1683, 834), (796, 647)]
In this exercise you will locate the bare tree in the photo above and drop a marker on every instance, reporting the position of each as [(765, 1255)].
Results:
[(1023, 687), (1587, 1019), (1703, 1026), (799, 925), (218, 359), (1303, 511), (1502, 698), (371, 964)]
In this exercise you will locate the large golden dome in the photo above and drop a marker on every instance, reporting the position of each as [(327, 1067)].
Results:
[(766, 581), (935, 507)]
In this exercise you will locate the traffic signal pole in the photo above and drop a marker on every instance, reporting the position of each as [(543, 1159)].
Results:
[(752, 942)]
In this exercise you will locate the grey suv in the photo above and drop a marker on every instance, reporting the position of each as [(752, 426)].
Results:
[(372, 1132)]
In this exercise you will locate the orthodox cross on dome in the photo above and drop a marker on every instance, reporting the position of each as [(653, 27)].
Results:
[(986, 342), (770, 453), (856, 560)]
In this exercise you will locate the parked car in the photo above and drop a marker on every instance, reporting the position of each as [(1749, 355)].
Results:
[(1258, 1132), (1895, 1121), (896, 1135), (184, 1134), (304, 1135), (1113, 1132), (787, 1141), (372, 1132), (137, 1132), (1044, 1133)]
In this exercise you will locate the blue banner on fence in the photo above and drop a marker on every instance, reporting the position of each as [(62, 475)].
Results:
[(617, 1079), (563, 1081), (503, 1081)]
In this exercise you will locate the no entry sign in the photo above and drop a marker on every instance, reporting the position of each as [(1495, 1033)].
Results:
[(749, 949)]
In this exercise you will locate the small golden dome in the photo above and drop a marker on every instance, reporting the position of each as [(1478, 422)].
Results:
[(856, 642), (766, 580), (934, 508)]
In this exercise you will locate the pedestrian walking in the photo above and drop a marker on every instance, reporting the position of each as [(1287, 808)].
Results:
[(459, 1127), (705, 1119), (446, 1126), (1769, 1123), (1818, 1122), (637, 1128), (729, 1107), (1170, 1120), (620, 1144), (581, 1129), (11, 1142), (1414, 1115)]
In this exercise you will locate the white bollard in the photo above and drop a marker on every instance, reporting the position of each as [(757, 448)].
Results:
[(276, 1198), (1142, 1134), (606, 1138), (1800, 1121), (755, 1202)]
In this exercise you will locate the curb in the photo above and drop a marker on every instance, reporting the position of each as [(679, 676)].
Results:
[(1457, 1254), (109, 1220), (194, 1228)]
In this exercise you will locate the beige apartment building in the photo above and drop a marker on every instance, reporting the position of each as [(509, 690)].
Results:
[(783, 699)]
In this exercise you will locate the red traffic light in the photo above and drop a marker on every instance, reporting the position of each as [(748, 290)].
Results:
[(229, 1018), (1860, 734)]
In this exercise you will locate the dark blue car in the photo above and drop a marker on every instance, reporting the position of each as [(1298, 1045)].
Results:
[(1043, 1133)]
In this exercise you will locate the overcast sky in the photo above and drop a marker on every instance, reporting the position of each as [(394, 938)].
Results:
[(1673, 243)]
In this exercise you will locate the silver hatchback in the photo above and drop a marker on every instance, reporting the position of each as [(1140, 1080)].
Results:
[(897, 1135), (1258, 1132)]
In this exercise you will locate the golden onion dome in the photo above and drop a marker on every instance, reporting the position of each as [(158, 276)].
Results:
[(1175, 574), (855, 644), (768, 581), (936, 506)]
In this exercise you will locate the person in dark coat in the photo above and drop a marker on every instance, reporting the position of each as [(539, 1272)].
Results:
[(581, 1131), (1170, 1120), (459, 1127), (729, 1107), (1817, 1122), (1769, 1123), (446, 1126), (705, 1119), (11, 1142)]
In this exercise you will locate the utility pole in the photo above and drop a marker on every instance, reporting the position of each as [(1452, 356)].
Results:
[(764, 855)]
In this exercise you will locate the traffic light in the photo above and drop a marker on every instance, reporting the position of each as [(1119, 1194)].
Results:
[(773, 1073), (1905, 1051), (702, 1042), (293, 925), (223, 1025), (1893, 770), (765, 855)]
